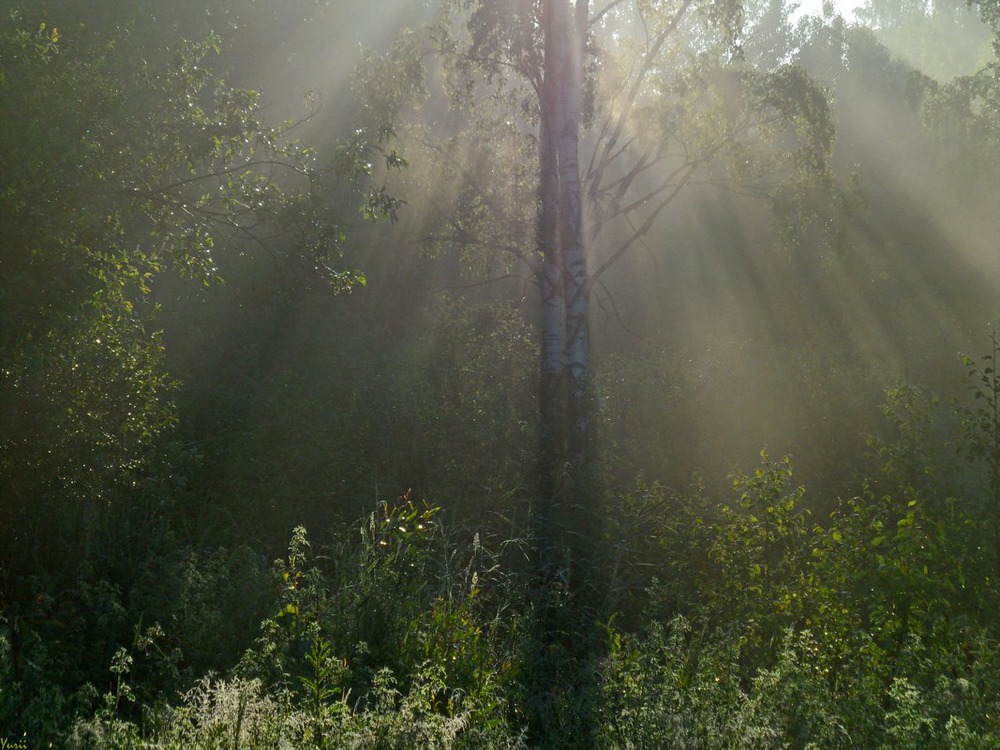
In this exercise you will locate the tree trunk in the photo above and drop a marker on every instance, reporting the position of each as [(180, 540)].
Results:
[(551, 281), (565, 375), (572, 240)]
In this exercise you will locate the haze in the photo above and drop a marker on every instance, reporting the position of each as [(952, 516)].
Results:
[(479, 374)]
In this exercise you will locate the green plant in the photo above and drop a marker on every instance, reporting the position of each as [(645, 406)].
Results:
[(760, 548), (217, 714), (909, 456), (402, 600), (107, 729), (324, 697), (981, 427)]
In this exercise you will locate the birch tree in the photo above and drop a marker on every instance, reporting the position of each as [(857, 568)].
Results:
[(623, 106), (562, 278)]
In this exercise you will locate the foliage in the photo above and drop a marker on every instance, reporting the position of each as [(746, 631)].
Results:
[(92, 213), (981, 420), (118, 169), (400, 598), (870, 629), (137, 605), (385, 642), (129, 170), (820, 635), (944, 39), (831, 647), (760, 545)]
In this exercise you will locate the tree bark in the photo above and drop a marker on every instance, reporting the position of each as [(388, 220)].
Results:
[(565, 368), (553, 332), (573, 241)]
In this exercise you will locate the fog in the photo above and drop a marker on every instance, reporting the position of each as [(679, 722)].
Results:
[(282, 456), (713, 339)]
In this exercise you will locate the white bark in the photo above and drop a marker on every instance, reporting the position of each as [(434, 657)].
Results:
[(551, 276), (565, 283), (573, 238)]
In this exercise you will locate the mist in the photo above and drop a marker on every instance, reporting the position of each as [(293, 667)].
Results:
[(715, 339), (309, 304)]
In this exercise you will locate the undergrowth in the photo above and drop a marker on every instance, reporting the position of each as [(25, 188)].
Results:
[(746, 623)]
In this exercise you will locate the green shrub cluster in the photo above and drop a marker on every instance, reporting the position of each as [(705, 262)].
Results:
[(750, 623), (396, 637)]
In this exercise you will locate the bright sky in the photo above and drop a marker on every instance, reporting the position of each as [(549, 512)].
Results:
[(815, 7)]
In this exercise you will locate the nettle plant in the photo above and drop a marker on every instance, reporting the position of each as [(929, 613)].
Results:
[(402, 616)]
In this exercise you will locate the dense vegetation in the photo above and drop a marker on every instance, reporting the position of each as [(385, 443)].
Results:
[(269, 402)]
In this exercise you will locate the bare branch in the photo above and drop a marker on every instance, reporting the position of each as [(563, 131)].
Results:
[(461, 238), (494, 280), (648, 61), (604, 11), (645, 226), (611, 311), (487, 199), (223, 172)]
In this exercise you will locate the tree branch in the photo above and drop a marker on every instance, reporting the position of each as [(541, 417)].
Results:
[(645, 226), (494, 280)]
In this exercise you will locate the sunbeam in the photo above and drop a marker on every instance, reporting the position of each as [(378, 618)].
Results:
[(557, 374)]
